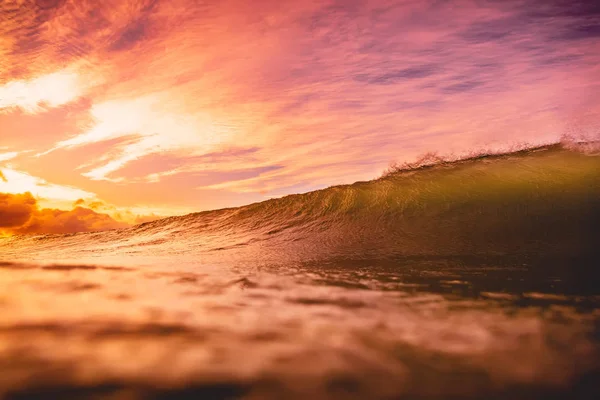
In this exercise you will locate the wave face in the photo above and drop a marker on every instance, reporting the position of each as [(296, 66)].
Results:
[(531, 203), (466, 280)]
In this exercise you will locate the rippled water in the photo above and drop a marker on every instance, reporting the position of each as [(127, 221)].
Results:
[(466, 281), (403, 328)]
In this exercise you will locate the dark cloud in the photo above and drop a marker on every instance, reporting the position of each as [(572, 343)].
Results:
[(580, 32), (19, 214), (561, 8), (29, 42), (24, 23), (351, 105), (489, 31), (461, 87), (16, 209), (297, 103), (537, 23), (571, 19), (48, 4), (391, 77), (559, 60), (419, 105), (135, 32)]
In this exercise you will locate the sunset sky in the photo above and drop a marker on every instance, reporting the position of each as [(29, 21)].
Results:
[(114, 112)]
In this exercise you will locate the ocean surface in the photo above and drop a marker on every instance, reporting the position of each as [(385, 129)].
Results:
[(471, 279)]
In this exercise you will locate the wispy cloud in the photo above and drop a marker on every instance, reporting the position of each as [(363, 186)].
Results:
[(8, 156), (52, 90), (158, 129)]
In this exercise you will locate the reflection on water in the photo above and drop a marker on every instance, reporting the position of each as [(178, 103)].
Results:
[(436, 328)]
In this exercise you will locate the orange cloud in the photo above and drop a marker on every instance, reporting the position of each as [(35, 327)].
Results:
[(16, 209), (124, 215), (19, 214)]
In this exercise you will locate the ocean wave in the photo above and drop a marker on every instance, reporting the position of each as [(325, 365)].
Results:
[(542, 201)]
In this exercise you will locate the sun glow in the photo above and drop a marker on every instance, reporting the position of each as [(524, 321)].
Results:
[(157, 126), (51, 195)]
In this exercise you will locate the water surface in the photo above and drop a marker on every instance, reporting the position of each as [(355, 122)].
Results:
[(471, 280)]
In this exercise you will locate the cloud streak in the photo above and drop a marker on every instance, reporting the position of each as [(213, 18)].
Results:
[(158, 130), (47, 91)]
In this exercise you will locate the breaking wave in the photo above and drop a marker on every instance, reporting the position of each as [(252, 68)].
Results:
[(542, 201), (467, 279)]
